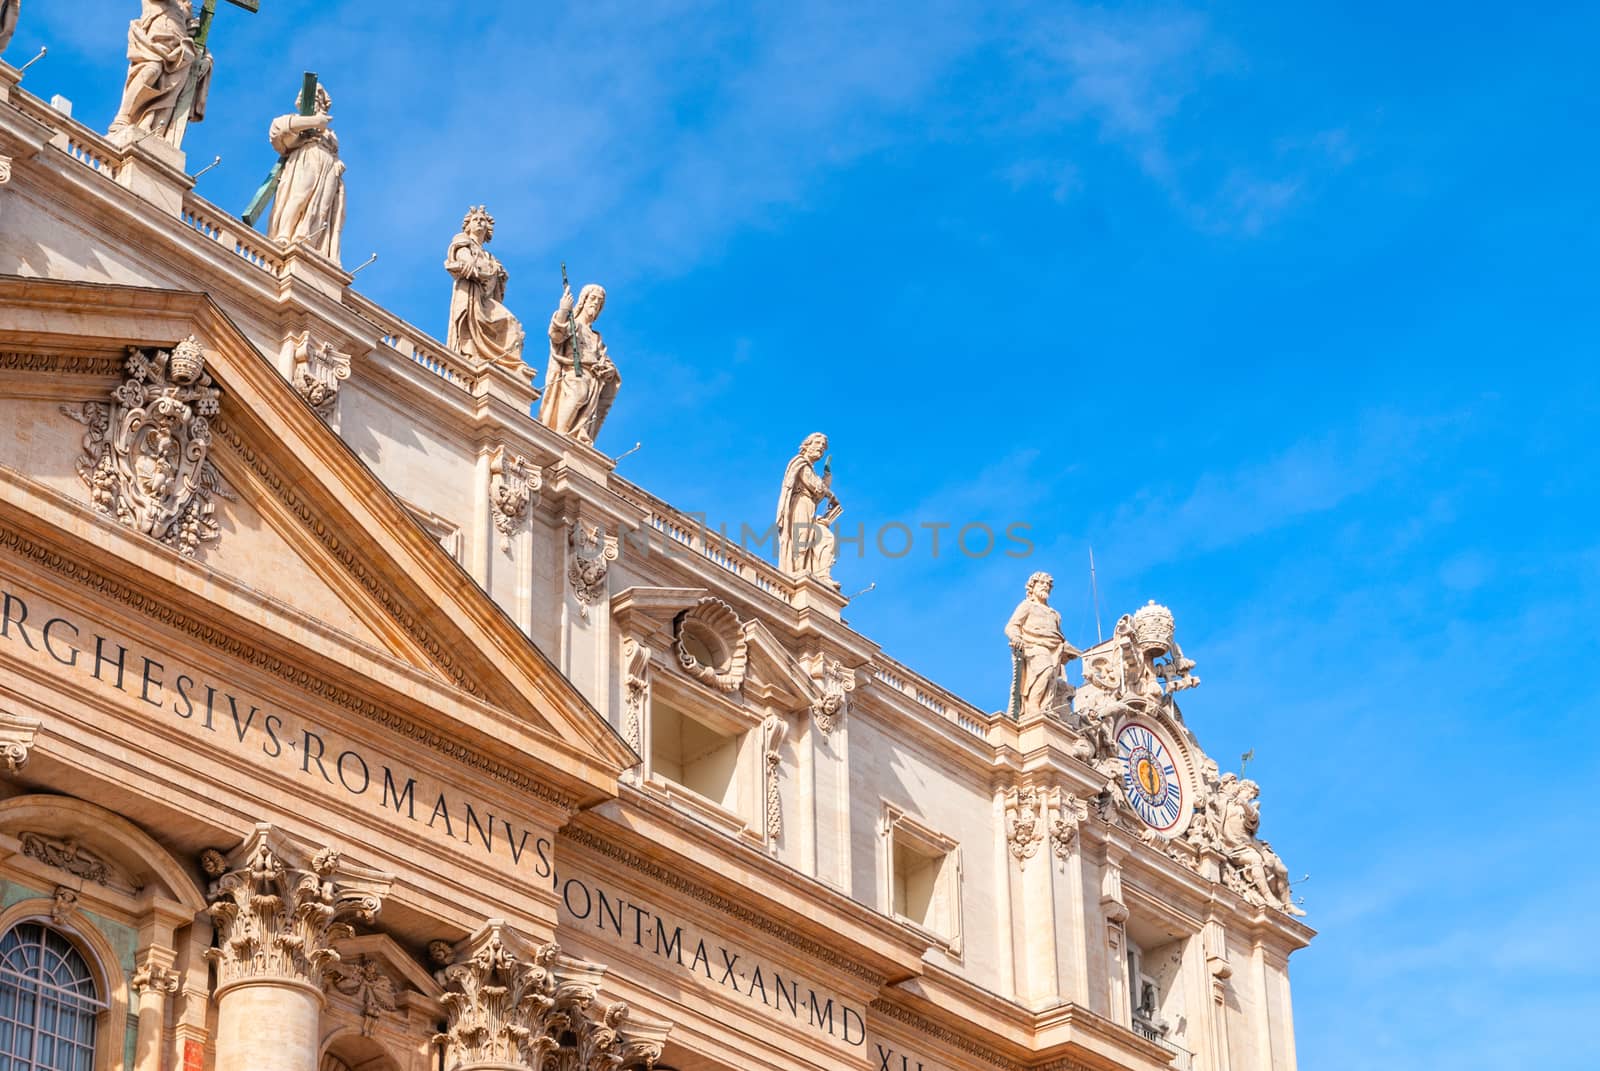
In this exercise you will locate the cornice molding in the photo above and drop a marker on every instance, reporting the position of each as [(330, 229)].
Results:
[(292, 673)]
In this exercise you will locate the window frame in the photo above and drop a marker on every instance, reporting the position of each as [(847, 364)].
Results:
[(98, 1006)]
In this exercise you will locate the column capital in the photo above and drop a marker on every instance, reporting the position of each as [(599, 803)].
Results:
[(514, 1005), (278, 908)]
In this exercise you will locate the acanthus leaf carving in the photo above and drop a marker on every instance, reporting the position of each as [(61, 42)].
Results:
[(509, 1002), (278, 909), (513, 481), (146, 456), (592, 552), (318, 372)]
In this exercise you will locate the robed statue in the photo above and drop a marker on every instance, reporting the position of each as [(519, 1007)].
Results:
[(807, 510), (9, 10), (162, 59), (481, 327), (1038, 652), (309, 206), (580, 382)]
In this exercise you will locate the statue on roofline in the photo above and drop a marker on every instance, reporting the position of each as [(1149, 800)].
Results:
[(163, 59), (309, 203), (806, 543), (9, 10), (580, 380), (481, 327), (1039, 653)]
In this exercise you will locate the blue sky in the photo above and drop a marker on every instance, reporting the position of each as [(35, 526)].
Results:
[(1289, 312)]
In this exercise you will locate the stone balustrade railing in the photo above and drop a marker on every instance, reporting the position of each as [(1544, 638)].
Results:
[(412, 343), (946, 705), (695, 536)]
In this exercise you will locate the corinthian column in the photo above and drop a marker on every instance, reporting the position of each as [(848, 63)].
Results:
[(277, 909), (516, 1006)]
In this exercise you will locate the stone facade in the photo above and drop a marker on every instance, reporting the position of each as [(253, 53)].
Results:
[(301, 797)]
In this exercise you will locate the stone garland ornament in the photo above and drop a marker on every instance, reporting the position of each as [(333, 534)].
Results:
[(145, 455), (66, 854), (775, 728), (711, 645), (318, 371), (513, 482), (636, 683), (592, 554)]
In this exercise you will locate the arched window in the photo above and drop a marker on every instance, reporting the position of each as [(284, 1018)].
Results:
[(48, 1002)]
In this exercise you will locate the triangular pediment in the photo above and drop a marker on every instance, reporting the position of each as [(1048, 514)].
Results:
[(300, 539)]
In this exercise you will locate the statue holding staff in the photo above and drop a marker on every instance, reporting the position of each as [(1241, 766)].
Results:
[(163, 58), (481, 327), (806, 543), (309, 203), (580, 381)]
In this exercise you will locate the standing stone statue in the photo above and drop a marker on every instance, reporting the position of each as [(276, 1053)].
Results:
[(580, 382), (162, 57), (309, 206), (1039, 651), (806, 544), (9, 10), (481, 327)]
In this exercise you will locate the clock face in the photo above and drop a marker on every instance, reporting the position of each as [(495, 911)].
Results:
[(1150, 777)]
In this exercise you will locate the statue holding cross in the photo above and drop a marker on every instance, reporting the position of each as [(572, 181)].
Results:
[(169, 70)]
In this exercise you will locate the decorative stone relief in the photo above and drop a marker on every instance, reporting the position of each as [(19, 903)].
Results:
[(834, 684), (318, 371), (636, 690), (145, 456), (67, 854), (513, 482), (1252, 869), (1154, 634), (65, 903), (1071, 812), (513, 1004), (5, 170), (773, 730), (592, 554), (369, 984), (17, 735), (1024, 822), (711, 644), (278, 910)]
